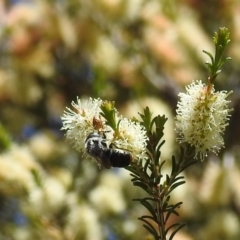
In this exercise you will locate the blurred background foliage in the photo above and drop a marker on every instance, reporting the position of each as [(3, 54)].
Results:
[(137, 53)]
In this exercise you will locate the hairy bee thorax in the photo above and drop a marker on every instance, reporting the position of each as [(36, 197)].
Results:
[(96, 146)]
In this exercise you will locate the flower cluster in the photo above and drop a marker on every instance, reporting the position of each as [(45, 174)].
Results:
[(79, 122), (202, 116), (87, 118)]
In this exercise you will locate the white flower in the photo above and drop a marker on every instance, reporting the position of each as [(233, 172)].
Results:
[(107, 200), (86, 118), (82, 222), (47, 199), (79, 122), (131, 137), (202, 116), (108, 197), (15, 170)]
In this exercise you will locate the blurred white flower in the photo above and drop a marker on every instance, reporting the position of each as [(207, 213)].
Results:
[(23, 155), (46, 199), (129, 226), (202, 116), (44, 146), (214, 188), (106, 54), (107, 200), (15, 170), (15, 179), (107, 197), (133, 9), (83, 223)]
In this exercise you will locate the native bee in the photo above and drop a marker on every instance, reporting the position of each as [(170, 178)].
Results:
[(96, 146)]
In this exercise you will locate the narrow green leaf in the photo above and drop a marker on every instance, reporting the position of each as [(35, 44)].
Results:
[(167, 179), (171, 210), (146, 118), (149, 217), (152, 231), (5, 140), (210, 55), (165, 203), (182, 155), (157, 157), (142, 185), (37, 178), (176, 230), (161, 164), (133, 170), (150, 226), (152, 175), (178, 178), (158, 179), (172, 226), (109, 113), (147, 198), (194, 161), (136, 179), (173, 165), (159, 145), (169, 213), (149, 207), (175, 185), (146, 165)]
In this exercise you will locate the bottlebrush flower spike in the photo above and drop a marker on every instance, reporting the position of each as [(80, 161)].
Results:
[(202, 116), (101, 117)]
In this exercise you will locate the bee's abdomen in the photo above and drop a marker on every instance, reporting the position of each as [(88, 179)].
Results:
[(117, 158)]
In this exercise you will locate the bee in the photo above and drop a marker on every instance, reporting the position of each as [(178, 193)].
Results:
[(97, 147)]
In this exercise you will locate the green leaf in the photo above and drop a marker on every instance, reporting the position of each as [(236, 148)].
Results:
[(109, 113), (149, 217), (173, 165), (151, 230), (165, 203), (161, 164), (146, 165), (146, 118), (159, 122), (178, 178), (142, 185), (189, 164), (175, 185), (158, 179), (159, 145), (176, 230), (136, 179), (211, 57), (37, 178), (5, 140), (171, 210), (221, 39), (146, 198), (167, 179), (178, 227), (157, 158), (149, 207)]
